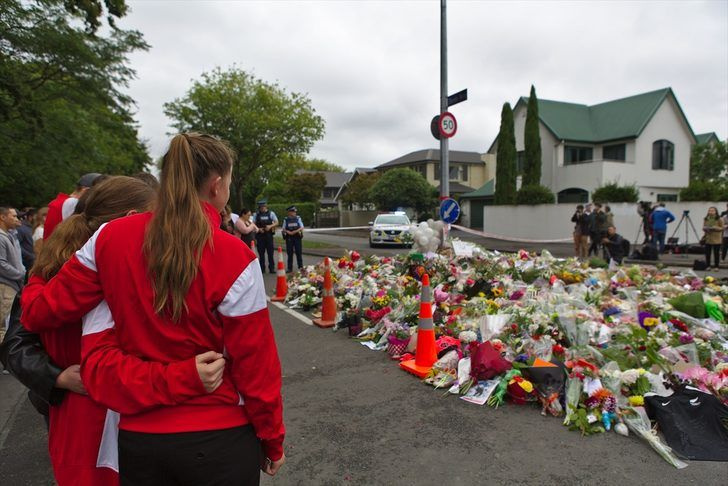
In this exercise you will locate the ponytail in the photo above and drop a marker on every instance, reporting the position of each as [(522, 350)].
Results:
[(179, 230)]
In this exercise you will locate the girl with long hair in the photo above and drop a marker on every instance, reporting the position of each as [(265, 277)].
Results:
[(76, 423), (176, 284)]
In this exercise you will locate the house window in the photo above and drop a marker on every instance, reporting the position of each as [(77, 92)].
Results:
[(520, 162), (663, 155), (421, 169), (577, 155), (615, 152), (458, 172), (330, 192), (573, 195), (666, 197)]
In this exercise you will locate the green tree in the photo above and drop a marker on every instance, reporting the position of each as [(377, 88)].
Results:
[(505, 168), (306, 187), (320, 165), (266, 125), (404, 188), (532, 142), (62, 109), (709, 161), (359, 190)]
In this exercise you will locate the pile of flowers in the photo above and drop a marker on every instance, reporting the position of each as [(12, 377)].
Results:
[(582, 341)]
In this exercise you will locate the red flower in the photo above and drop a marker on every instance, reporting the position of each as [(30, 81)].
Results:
[(642, 348), (351, 265), (557, 349), (514, 327), (355, 256), (342, 262)]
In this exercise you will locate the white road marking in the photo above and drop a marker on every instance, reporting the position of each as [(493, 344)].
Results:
[(291, 312)]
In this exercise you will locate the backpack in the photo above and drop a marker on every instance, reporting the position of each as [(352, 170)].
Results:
[(649, 252), (625, 246)]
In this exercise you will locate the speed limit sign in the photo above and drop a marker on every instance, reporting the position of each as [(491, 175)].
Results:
[(448, 125)]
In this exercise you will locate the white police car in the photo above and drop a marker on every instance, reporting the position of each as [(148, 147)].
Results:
[(390, 229)]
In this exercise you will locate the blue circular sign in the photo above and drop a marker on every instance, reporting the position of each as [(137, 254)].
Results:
[(449, 210)]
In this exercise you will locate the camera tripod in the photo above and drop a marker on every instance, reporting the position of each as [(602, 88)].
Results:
[(688, 223)]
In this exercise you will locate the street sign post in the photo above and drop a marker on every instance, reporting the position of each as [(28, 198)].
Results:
[(435, 127), (449, 210), (458, 97), (448, 125)]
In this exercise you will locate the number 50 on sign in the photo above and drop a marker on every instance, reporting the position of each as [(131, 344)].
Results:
[(448, 125)]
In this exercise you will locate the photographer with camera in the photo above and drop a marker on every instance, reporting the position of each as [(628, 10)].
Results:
[(644, 209), (661, 217)]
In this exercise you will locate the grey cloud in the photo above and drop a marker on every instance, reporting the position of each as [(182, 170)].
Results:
[(372, 68)]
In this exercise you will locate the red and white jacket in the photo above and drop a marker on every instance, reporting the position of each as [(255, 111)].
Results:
[(137, 360)]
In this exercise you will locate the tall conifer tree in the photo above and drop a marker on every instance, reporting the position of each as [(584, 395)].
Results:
[(532, 142), (505, 180)]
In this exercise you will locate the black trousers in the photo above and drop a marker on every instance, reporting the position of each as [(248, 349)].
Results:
[(209, 458), (725, 248), (294, 245), (715, 249), (264, 242)]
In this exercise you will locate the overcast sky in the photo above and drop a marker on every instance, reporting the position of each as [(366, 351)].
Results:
[(371, 68)]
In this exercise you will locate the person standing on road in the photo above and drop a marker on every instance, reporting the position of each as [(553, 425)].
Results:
[(246, 227), (25, 237), (713, 228), (581, 231), (176, 284), (12, 271), (266, 221), (724, 217), (293, 234), (598, 228), (59, 206), (661, 217)]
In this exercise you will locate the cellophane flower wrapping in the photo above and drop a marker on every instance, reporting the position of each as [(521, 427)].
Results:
[(639, 423)]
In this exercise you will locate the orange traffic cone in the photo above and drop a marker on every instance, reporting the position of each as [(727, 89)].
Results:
[(281, 282), (328, 305), (426, 353)]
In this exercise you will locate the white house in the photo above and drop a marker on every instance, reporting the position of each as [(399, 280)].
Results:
[(643, 140)]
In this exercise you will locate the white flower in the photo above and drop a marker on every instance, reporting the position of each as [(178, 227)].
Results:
[(629, 377)]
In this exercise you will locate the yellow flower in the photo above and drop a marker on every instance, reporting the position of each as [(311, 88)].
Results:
[(650, 321), (641, 371), (709, 279), (481, 294), (497, 291), (636, 400)]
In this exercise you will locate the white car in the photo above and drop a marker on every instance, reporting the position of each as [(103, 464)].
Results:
[(390, 229)]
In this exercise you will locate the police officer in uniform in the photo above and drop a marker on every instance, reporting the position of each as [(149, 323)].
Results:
[(266, 221), (293, 233)]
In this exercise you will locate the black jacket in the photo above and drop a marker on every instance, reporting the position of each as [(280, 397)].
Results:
[(22, 353)]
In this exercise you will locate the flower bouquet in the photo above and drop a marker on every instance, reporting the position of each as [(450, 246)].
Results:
[(638, 422)]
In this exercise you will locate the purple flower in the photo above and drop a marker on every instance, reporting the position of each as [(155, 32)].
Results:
[(685, 338), (644, 315)]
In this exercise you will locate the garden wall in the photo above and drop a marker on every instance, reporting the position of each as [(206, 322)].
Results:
[(553, 221)]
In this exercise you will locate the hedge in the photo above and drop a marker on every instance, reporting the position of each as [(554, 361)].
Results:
[(615, 193), (305, 211), (535, 194), (703, 191)]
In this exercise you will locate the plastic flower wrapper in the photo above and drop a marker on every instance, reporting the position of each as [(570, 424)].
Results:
[(491, 325), (486, 362), (636, 419), (574, 387), (464, 380)]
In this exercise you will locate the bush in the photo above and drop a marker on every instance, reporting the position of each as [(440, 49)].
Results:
[(615, 193), (305, 211), (702, 191), (535, 194)]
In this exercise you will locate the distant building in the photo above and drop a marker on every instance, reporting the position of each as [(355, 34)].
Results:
[(643, 140), (468, 170), (706, 138), (335, 181)]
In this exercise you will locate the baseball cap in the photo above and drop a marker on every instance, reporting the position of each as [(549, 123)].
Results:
[(87, 180)]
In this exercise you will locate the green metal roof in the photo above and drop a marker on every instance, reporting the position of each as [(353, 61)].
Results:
[(613, 120), (486, 190), (702, 138)]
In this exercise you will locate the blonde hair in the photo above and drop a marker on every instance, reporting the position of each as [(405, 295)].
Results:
[(113, 198), (179, 229)]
